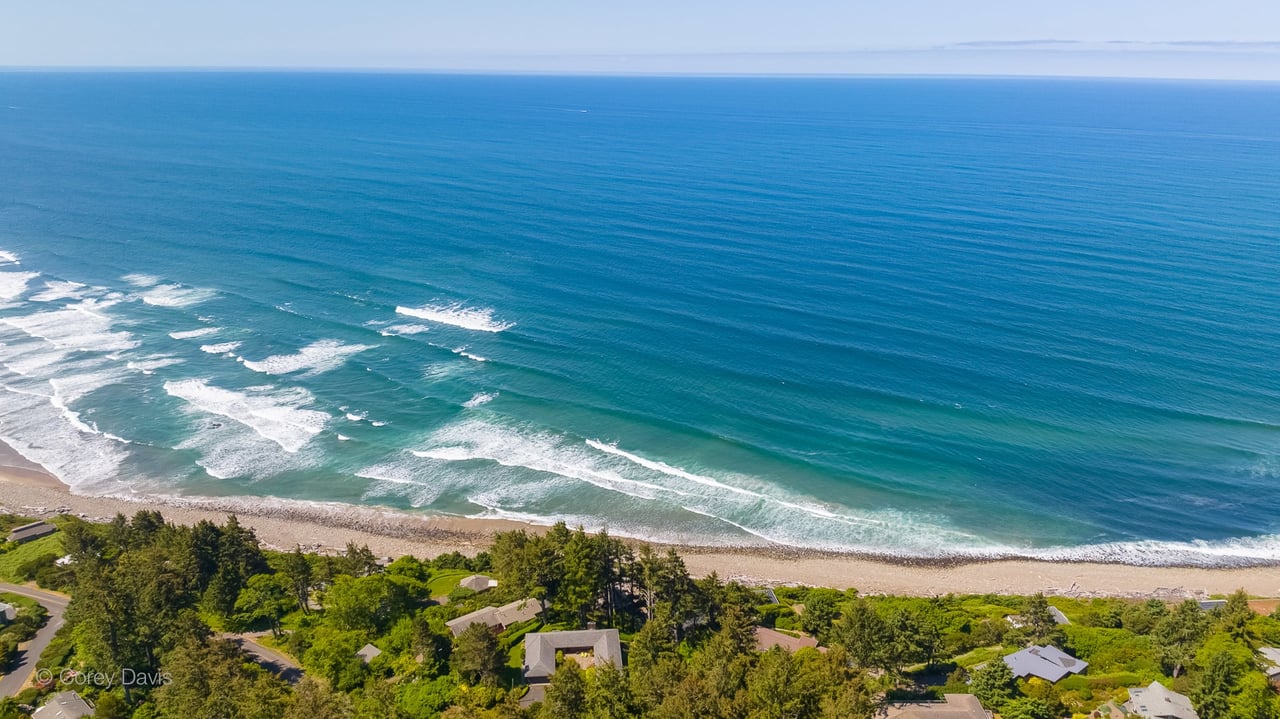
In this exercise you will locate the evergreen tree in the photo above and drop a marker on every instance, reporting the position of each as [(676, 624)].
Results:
[(313, 700), (1039, 624), (863, 634), (477, 657), (994, 684), (566, 694), (1212, 694), (1180, 634)]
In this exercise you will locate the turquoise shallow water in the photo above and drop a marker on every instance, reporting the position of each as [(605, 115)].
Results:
[(916, 317)]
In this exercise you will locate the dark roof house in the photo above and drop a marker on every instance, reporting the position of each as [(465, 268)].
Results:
[(521, 610), (540, 650), (28, 532), (1047, 662)]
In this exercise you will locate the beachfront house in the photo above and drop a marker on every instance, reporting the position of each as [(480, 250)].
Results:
[(64, 705), (521, 610), (8, 613), (1269, 660), (1159, 702), (593, 647), (28, 532), (1047, 662), (478, 583), (952, 706)]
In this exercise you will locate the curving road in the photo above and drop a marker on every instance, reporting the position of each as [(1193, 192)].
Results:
[(29, 652)]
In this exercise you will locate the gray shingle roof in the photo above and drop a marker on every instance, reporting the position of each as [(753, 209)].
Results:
[(1047, 662), (1159, 702), (521, 610), (540, 649), (64, 705)]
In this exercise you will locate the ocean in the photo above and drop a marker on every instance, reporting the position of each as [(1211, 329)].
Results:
[(911, 317)]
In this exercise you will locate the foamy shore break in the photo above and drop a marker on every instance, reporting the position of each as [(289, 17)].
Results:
[(27, 489)]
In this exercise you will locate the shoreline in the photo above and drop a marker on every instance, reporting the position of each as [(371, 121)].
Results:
[(28, 489)]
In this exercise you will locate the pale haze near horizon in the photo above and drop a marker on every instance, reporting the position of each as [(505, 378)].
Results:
[(1233, 39)]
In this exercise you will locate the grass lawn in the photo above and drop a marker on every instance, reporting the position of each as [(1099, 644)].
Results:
[(979, 655), (23, 553), (445, 580)]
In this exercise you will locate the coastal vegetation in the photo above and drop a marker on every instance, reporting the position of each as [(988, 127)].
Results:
[(177, 608)]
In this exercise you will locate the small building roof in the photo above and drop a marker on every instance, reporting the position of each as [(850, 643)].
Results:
[(767, 638), (64, 705), (953, 706), (8, 612), (368, 653), (540, 649), (478, 583), (1209, 605), (31, 531), (1047, 662), (1159, 702), (1058, 616)]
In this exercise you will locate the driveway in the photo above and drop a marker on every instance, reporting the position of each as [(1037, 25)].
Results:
[(29, 652), (266, 657)]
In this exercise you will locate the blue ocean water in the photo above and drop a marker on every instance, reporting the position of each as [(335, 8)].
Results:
[(918, 317)]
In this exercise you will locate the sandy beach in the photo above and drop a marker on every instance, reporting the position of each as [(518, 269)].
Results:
[(28, 489)]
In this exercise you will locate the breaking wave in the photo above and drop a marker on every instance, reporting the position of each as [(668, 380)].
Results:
[(457, 315)]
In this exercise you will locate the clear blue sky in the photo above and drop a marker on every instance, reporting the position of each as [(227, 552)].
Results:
[(1228, 38)]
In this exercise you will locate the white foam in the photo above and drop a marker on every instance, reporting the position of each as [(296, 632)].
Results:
[(378, 424), (140, 280), (457, 315), (463, 352), (343, 438), (175, 295), (405, 330), (82, 326), (8, 258), (220, 348), (668, 469), (278, 416), (356, 417), (479, 398), (60, 290), (149, 365), (192, 334), (316, 357), (13, 284)]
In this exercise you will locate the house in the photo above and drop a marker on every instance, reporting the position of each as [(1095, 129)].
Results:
[(368, 653), (521, 610), (1159, 702), (8, 613), (540, 650), (1208, 605), (953, 706), (64, 705), (767, 638), (767, 594), (1047, 662), (478, 583), (1270, 663), (28, 532)]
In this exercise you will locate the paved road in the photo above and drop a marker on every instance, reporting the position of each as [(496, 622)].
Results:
[(29, 652), (266, 657)]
